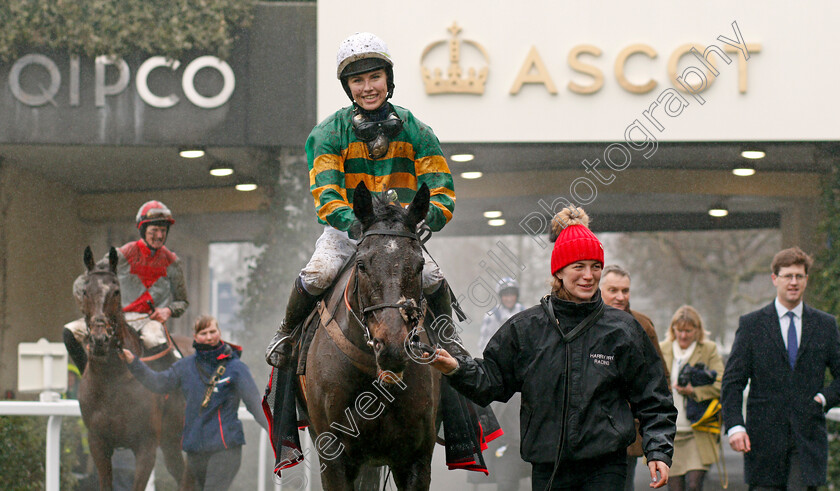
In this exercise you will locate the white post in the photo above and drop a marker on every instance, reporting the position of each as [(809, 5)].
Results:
[(53, 467), (261, 461), (150, 485), (306, 442)]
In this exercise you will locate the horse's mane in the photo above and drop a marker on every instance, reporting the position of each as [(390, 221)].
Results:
[(386, 211)]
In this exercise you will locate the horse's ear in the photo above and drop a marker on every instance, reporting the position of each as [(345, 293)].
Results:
[(419, 206), (89, 264), (363, 204), (113, 259)]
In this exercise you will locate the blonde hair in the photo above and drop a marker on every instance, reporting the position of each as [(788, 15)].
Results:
[(686, 316), (571, 215), (568, 216), (203, 322)]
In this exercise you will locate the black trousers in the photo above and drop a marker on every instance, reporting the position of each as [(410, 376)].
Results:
[(604, 473), (794, 482), (214, 471)]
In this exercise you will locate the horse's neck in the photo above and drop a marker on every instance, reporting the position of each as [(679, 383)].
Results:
[(106, 367), (130, 338)]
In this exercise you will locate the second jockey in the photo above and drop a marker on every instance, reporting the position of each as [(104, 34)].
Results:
[(152, 285)]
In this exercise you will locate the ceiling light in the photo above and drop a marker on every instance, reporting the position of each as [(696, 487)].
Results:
[(752, 154), (462, 157), (246, 187), (743, 171), (718, 210), (496, 222), (492, 214), (191, 152), (221, 169), (471, 175)]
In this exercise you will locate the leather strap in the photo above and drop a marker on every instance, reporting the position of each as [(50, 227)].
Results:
[(585, 324), (365, 362)]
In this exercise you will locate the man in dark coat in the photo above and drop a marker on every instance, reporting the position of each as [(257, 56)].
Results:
[(783, 350)]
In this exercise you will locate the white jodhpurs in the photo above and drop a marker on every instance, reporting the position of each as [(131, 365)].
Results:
[(333, 248)]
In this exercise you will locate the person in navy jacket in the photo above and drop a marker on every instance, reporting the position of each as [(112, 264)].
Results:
[(213, 435)]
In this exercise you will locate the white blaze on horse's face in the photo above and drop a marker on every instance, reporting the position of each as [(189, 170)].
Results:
[(391, 247)]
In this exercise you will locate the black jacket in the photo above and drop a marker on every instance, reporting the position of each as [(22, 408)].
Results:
[(581, 395), (781, 405)]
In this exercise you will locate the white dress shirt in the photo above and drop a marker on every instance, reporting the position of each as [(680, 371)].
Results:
[(782, 311)]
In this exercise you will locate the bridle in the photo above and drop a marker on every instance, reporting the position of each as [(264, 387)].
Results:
[(409, 308), (109, 326)]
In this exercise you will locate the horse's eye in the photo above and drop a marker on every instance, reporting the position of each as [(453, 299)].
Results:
[(361, 266)]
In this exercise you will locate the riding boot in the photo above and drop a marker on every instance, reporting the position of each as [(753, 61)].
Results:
[(75, 350), (443, 326), (280, 350)]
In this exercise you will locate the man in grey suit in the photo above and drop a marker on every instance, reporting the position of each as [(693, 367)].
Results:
[(782, 350)]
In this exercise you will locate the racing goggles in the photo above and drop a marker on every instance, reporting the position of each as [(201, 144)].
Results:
[(369, 130)]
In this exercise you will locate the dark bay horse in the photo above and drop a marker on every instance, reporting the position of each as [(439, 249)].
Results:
[(117, 410), (369, 402)]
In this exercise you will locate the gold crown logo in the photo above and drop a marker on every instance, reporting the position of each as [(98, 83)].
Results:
[(455, 81)]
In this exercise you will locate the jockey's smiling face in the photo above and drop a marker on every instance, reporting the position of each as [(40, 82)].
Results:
[(369, 90), (210, 335), (155, 236)]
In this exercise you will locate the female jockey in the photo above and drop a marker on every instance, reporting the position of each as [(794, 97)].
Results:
[(385, 147)]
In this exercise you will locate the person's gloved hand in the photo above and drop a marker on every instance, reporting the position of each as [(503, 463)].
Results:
[(355, 230)]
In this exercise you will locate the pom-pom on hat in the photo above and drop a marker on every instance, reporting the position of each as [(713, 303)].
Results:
[(573, 241)]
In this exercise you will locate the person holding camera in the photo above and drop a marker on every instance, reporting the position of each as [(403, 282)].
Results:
[(696, 371)]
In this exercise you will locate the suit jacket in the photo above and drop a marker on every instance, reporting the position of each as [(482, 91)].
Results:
[(705, 352), (781, 410)]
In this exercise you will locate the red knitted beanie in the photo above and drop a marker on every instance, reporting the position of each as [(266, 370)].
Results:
[(575, 242)]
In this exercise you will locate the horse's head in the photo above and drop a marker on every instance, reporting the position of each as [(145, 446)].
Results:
[(389, 267), (101, 304)]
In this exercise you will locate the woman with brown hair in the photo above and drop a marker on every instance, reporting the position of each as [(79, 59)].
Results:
[(689, 355), (213, 381)]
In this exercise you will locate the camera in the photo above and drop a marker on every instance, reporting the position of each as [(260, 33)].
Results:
[(696, 375)]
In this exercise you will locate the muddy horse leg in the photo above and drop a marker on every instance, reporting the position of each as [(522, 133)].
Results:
[(101, 453), (144, 456), (416, 476), (172, 424), (339, 475)]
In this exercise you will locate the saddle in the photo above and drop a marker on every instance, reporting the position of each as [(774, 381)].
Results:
[(327, 304)]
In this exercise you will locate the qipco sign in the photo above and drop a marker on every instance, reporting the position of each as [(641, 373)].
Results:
[(39, 94)]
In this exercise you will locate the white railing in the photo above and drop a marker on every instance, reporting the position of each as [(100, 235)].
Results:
[(55, 411)]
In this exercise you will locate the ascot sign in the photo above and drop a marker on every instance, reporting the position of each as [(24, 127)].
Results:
[(534, 70), (46, 93)]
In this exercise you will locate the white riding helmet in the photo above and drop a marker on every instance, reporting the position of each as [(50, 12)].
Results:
[(507, 285), (361, 53)]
